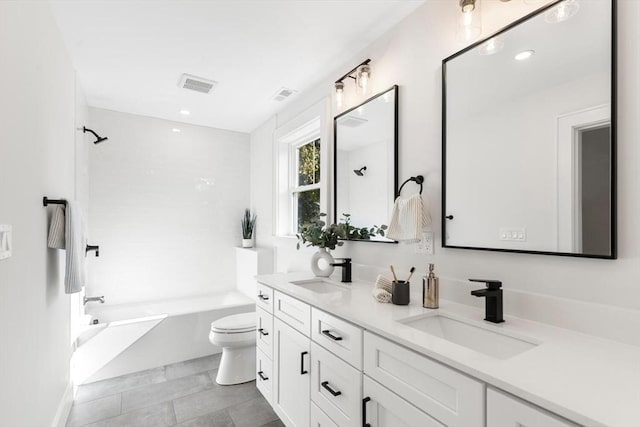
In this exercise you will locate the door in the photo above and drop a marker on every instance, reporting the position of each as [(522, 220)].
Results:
[(383, 408), (292, 380)]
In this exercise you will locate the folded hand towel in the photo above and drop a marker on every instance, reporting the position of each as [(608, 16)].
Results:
[(381, 295), (75, 245), (56, 229), (407, 219), (383, 282)]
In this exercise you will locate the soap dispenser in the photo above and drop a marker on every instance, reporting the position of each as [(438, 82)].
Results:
[(430, 289)]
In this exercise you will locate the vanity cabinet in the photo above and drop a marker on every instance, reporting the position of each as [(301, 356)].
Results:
[(506, 411), (451, 398), (292, 379)]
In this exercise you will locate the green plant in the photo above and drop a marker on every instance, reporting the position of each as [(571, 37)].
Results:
[(317, 233), (248, 224)]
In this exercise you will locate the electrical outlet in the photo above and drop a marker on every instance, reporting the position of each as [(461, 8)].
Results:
[(426, 244), (513, 234)]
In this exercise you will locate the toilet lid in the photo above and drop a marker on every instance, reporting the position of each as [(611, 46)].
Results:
[(243, 322)]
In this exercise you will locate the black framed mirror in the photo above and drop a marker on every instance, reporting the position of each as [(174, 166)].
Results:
[(529, 136), (365, 162)]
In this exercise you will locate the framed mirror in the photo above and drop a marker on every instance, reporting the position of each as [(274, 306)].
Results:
[(365, 162), (529, 136)]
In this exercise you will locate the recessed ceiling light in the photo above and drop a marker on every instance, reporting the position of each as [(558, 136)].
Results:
[(185, 112), (526, 54), (176, 130)]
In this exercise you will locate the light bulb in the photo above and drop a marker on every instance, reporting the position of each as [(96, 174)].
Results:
[(363, 79), (563, 11), (469, 26), (339, 95)]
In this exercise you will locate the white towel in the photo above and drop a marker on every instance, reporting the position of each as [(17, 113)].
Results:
[(408, 219), (56, 229), (382, 290), (381, 295)]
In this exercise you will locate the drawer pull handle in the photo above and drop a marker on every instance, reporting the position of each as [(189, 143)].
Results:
[(333, 392), (262, 332), (262, 377), (364, 412), (330, 335), (263, 297), (302, 371)]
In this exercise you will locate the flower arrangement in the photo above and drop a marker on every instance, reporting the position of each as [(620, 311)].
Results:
[(317, 233)]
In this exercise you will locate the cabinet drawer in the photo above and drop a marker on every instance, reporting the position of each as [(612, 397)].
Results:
[(296, 314), (336, 387), (264, 332), (506, 411), (384, 408), (448, 396), (339, 337), (319, 418), (264, 297), (264, 375)]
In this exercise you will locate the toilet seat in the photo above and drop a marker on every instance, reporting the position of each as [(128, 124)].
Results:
[(235, 324)]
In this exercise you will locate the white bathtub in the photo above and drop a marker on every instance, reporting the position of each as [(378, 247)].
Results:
[(135, 337)]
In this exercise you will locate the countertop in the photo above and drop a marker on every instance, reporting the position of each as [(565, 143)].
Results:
[(586, 379)]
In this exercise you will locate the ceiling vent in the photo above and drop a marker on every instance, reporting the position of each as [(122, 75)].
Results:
[(282, 94), (352, 122), (199, 84)]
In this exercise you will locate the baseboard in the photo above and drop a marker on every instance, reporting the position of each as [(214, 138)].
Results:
[(64, 407)]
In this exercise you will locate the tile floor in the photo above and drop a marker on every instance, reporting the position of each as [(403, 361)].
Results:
[(184, 394)]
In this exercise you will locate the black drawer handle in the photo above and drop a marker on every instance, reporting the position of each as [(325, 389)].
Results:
[(262, 377), (330, 335), (263, 297), (302, 371), (262, 332), (333, 392), (364, 412)]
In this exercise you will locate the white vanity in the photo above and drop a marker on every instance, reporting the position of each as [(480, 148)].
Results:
[(330, 355)]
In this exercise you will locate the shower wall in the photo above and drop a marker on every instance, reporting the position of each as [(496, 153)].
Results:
[(165, 207)]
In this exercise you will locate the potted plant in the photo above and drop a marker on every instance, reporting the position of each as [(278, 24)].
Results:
[(248, 227), (327, 237)]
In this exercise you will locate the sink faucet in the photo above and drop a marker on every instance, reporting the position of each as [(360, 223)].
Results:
[(493, 295), (346, 269), (99, 299)]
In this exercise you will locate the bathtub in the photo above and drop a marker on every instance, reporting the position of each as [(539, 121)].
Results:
[(134, 337)]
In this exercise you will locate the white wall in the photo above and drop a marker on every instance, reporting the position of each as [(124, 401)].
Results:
[(410, 55), (38, 121), (165, 207)]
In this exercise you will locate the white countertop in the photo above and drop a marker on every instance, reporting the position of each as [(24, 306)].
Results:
[(586, 379)]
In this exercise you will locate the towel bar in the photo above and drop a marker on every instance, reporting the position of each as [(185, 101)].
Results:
[(417, 179), (46, 201)]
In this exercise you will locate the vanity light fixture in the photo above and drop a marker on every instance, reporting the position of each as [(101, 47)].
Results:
[(562, 11), (525, 54), (361, 74), (185, 112), (469, 25)]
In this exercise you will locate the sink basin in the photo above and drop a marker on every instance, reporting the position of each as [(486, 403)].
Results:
[(477, 338), (319, 285)]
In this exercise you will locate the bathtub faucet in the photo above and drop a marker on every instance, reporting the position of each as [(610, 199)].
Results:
[(99, 299)]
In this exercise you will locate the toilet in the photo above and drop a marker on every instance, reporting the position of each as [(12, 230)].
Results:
[(236, 334)]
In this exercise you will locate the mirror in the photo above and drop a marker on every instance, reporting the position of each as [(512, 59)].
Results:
[(365, 159), (529, 136)]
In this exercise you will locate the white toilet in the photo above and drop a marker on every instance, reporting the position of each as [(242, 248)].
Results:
[(236, 334)]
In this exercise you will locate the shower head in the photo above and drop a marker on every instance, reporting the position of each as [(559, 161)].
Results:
[(99, 138), (360, 172)]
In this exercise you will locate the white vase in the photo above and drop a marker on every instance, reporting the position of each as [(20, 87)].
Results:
[(321, 263), (247, 243)]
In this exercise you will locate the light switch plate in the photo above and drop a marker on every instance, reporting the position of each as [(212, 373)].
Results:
[(513, 234), (5, 241)]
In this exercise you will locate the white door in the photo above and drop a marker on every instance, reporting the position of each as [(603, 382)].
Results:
[(383, 408), (506, 411), (292, 380)]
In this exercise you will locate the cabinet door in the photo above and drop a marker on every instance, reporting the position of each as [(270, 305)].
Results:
[(506, 411), (292, 380), (319, 418), (383, 408), (264, 332), (264, 375)]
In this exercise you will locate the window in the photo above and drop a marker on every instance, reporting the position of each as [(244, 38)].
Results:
[(305, 182)]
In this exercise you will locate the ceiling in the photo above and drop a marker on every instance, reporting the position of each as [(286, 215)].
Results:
[(130, 55)]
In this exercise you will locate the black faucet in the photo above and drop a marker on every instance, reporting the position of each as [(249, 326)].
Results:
[(346, 269), (493, 303)]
